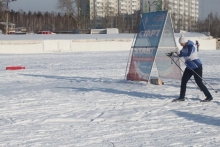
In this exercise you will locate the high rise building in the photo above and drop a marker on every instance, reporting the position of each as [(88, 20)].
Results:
[(184, 13), (99, 9)]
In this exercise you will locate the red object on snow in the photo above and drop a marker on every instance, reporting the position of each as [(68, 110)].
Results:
[(44, 32), (14, 67)]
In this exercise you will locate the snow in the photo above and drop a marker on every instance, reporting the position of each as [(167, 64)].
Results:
[(87, 36), (82, 100)]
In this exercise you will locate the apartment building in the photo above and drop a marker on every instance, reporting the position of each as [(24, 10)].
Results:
[(184, 13), (99, 9)]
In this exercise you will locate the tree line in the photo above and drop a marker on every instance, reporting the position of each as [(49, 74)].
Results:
[(210, 24), (36, 21), (40, 21), (70, 19)]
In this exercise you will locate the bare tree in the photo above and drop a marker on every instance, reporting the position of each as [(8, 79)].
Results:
[(1, 5), (109, 16), (215, 26), (159, 5), (211, 25), (3, 11), (72, 8)]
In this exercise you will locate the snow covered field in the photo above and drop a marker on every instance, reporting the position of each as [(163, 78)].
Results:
[(82, 100)]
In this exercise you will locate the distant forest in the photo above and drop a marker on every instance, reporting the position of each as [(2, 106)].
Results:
[(41, 21), (36, 21)]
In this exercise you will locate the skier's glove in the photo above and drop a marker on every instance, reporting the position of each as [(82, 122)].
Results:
[(172, 54), (176, 54), (169, 54)]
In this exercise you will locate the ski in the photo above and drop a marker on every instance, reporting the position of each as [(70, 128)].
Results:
[(205, 101), (183, 100), (178, 100)]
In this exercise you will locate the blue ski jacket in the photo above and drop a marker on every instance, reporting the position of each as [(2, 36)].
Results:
[(189, 53)]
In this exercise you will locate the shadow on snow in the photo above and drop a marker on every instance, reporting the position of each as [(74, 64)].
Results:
[(208, 120), (105, 89), (121, 92)]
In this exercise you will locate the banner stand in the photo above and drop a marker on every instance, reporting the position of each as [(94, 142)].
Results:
[(154, 39)]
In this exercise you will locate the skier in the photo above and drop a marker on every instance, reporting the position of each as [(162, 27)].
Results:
[(193, 67), (197, 45)]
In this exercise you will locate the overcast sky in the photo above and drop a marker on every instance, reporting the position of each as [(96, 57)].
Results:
[(208, 6), (205, 6), (34, 5)]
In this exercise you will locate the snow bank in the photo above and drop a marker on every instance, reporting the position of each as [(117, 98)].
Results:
[(44, 43), (206, 42)]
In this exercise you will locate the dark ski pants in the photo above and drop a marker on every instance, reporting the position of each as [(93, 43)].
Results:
[(187, 74)]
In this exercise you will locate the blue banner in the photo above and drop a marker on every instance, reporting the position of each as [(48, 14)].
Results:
[(146, 45)]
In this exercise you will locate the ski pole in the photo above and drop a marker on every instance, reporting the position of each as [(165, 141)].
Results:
[(200, 77), (183, 71)]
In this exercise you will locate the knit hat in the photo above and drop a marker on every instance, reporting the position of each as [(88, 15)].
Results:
[(183, 39)]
